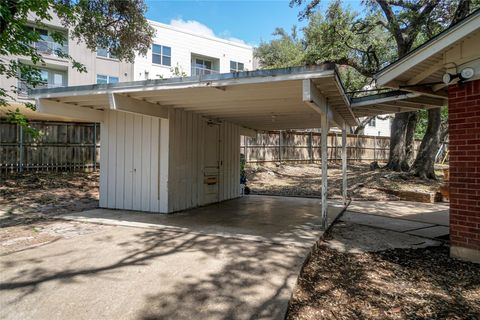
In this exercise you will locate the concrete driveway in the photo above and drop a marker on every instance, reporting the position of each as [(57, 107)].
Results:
[(236, 260)]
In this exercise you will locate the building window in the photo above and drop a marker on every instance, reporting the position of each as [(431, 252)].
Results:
[(372, 122), (161, 55), (46, 45), (202, 67), (101, 79), (236, 66), (50, 79), (105, 52)]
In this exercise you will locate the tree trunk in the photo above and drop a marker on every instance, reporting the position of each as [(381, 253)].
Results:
[(424, 165), (397, 155), (410, 140)]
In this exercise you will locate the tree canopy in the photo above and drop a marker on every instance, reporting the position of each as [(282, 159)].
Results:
[(364, 42)]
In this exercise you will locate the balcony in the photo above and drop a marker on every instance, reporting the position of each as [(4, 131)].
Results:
[(50, 48), (197, 71), (23, 88)]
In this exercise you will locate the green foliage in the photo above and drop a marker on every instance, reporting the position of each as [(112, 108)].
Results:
[(346, 38), (286, 50), (362, 43), (422, 122), (117, 25)]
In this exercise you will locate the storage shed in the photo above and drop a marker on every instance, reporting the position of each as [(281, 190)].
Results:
[(173, 144)]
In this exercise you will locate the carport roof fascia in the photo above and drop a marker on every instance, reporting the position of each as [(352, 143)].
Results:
[(325, 73), (212, 80)]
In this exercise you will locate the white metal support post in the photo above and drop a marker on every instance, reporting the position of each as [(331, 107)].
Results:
[(344, 164), (324, 169)]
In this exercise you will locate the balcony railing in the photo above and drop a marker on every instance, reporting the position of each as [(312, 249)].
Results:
[(50, 47), (196, 71), (23, 87)]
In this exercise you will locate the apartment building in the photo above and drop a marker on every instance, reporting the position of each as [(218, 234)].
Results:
[(175, 52), (58, 72), (179, 52)]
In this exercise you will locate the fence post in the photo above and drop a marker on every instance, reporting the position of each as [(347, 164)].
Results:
[(310, 147), (280, 146), (336, 148), (245, 147), (374, 148), (95, 147), (20, 151)]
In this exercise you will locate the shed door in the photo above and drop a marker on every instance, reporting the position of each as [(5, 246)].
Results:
[(211, 172)]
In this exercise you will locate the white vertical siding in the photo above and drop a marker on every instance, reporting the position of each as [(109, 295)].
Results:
[(381, 128), (129, 177), (157, 165), (104, 163), (130, 171), (230, 157), (186, 172)]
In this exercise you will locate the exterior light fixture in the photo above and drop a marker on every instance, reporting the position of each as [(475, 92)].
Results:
[(466, 73), (448, 77)]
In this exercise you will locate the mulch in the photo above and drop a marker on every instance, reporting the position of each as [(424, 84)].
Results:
[(394, 284)]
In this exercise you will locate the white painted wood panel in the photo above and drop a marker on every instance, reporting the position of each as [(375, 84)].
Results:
[(137, 163), (154, 165), (131, 176), (112, 160), (104, 164), (120, 167), (187, 154), (163, 159), (146, 161), (157, 165)]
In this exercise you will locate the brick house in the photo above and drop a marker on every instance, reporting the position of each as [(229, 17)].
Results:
[(448, 66)]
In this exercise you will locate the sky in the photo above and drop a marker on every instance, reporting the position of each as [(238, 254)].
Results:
[(248, 21)]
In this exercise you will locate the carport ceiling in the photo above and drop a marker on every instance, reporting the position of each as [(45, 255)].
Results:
[(261, 100)]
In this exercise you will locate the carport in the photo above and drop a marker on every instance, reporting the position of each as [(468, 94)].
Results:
[(173, 144)]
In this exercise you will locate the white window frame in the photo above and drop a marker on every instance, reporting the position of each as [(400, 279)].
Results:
[(108, 56), (373, 122), (108, 78), (162, 55), (237, 69)]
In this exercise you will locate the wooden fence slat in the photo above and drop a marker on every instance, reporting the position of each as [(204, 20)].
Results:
[(61, 146)]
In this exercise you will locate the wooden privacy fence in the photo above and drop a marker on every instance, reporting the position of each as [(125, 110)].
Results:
[(67, 146), (61, 146), (295, 146)]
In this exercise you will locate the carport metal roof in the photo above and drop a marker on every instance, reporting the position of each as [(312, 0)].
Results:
[(393, 102), (290, 98)]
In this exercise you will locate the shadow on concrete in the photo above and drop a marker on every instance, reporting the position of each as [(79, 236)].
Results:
[(160, 273)]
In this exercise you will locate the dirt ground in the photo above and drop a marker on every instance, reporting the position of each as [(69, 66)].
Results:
[(393, 284), (305, 180), (30, 202)]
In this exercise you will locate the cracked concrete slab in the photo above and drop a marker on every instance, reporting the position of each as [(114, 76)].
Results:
[(433, 213), (431, 232), (382, 222), (356, 238)]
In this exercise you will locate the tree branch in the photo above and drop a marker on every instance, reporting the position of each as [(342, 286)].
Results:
[(12, 6)]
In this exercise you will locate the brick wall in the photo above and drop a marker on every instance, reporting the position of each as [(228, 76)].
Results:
[(464, 134)]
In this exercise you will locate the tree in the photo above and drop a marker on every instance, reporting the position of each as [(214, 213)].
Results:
[(117, 25), (436, 128), (435, 132), (285, 50), (356, 41)]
